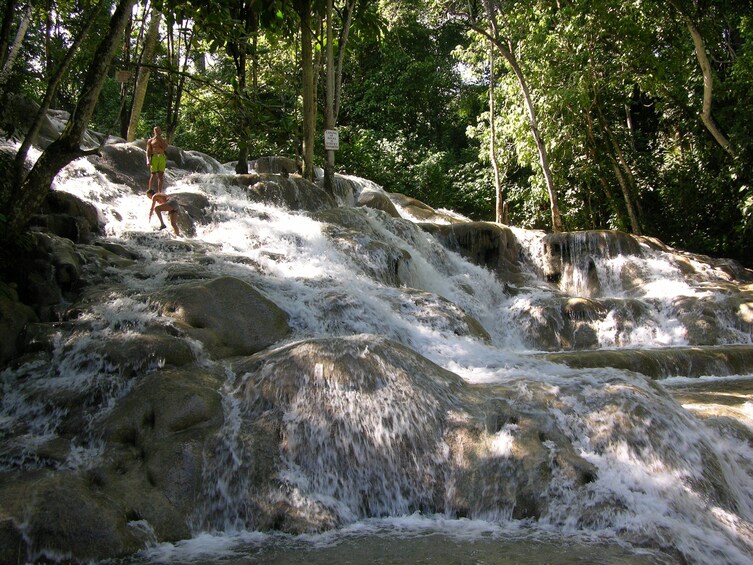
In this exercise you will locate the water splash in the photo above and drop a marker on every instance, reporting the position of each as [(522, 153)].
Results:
[(662, 474)]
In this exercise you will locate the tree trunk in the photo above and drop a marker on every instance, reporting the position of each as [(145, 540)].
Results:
[(309, 101), (10, 11), (142, 80), (175, 89), (125, 112), (708, 82), (52, 86), (15, 49), (25, 201), (500, 207), (509, 56), (344, 34), (624, 174), (329, 117), (619, 213), (241, 167), (543, 156), (708, 90)]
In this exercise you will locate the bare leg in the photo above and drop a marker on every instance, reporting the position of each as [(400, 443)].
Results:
[(159, 209), (173, 221), (160, 180)]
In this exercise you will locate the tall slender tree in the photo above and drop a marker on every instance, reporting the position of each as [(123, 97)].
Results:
[(505, 47), (305, 9), (146, 59)]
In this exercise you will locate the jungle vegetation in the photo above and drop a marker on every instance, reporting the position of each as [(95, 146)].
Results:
[(634, 115)]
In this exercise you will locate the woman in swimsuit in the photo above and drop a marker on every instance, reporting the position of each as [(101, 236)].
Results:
[(163, 203)]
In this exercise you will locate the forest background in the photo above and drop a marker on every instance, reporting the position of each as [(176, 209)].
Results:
[(555, 114)]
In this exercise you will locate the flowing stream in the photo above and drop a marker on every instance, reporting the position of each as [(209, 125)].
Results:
[(655, 500)]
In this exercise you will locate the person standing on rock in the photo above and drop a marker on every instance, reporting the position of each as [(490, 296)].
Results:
[(163, 203), (155, 158)]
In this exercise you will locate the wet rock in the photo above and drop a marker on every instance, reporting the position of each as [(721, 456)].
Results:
[(421, 211), (665, 362), (195, 206), (333, 415), (44, 273), (378, 200), (63, 208), (124, 163), (483, 243), (64, 517), (61, 254), (227, 315), (12, 544), (442, 315), (294, 193), (567, 258), (158, 438), (355, 237), (274, 164), (14, 317), (699, 318), (117, 249), (132, 354)]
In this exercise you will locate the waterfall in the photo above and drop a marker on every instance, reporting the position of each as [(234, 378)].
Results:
[(412, 381)]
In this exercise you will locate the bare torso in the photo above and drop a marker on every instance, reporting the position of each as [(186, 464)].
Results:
[(156, 145)]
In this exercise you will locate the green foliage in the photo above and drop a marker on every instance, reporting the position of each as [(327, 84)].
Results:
[(616, 87)]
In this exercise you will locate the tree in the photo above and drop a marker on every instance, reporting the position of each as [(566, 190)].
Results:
[(708, 78), (334, 78), (232, 27), (179, 41), (500, 209), (143, 71), (24, 198), (505, 47), (9, 53), (52, 86), (304, 9)]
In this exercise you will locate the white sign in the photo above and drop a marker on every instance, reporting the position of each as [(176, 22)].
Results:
[(331, 140), (123, 76)]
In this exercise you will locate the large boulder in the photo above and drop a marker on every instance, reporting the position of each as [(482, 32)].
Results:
[(275, 164), (293, 192), (46, 273), (228, 316), (372, 196), (68, 216), (158, 438), (65, 516), (420, 211), (563, 258), (483, 243), (124, 163), (145, 486), (325, 438)]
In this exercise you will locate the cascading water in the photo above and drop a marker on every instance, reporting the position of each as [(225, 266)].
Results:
[(369, 442)]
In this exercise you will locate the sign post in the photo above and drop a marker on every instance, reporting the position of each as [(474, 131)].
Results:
[(123, 76), (331, 140)]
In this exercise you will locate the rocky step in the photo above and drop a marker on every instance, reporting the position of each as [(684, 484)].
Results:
[(659, 363)]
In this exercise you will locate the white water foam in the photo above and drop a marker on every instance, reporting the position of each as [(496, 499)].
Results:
[(346, 285)]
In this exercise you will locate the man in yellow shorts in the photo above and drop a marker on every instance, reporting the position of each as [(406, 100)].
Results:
[(155, 157)]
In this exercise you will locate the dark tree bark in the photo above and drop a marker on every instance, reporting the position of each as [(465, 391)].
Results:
[(303, 7), (10, 10)]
